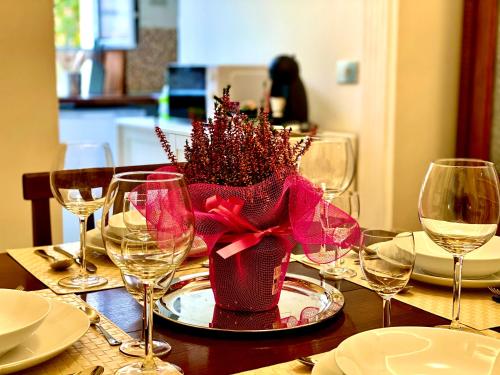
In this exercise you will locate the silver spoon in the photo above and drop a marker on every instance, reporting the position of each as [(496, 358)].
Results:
[(89, 266), (94, 318), (308, 361), (55, 264)]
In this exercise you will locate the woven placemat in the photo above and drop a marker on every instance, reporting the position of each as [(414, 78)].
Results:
[(477, 309), (39, 268), (292, 367), (91, 350)]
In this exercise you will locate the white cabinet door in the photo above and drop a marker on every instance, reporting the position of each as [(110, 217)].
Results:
[(138, 143)]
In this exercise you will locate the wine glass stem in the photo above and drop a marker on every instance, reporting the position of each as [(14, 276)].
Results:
[(386, 306), (83, 232), (144, 316), (457, 289), (149, 363)]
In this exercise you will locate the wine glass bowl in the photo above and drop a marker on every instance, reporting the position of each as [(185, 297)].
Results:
[(79, 180), (387, 260), (329, 163), (459, 211), (348, 202)]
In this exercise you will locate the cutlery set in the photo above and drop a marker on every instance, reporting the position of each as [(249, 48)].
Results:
[(63, 264)]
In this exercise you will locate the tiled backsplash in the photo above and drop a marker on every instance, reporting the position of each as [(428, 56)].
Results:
[(147, 64)]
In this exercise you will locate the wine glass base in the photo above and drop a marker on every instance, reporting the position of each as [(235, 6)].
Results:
[(135, 348), (337, 273), (82, 282), (162, 368), (460, 327)]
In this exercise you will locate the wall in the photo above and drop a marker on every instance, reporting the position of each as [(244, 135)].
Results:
[(317, 32), (410, 97), (28, 107), (428, 72)]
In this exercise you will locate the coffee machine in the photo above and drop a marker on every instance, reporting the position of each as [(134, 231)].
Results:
[(288, 100)]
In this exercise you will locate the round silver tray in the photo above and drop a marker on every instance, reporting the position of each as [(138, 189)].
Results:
[(303, 302)]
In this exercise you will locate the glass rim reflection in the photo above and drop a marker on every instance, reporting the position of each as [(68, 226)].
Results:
[(462, 163), (174, 176), (381, 233)]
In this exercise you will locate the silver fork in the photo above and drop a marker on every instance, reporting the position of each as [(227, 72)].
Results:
[(494, 290), (496, 294)]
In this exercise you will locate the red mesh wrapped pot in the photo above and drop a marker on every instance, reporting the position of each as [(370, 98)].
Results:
[(250, 280)]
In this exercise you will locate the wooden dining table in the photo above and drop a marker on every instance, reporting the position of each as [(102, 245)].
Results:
[(199, 351)]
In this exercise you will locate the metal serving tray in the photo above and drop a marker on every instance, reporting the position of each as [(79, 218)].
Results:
[(190, 302)]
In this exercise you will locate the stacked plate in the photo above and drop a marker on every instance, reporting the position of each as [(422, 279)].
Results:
[(413, 350), (117, 228), (34, 329), (434, 265)]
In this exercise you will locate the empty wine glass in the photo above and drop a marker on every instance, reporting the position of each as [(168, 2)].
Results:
[(349, 203), (387, 261), (459, 210), (329, 163), (149, 253), (79, 180), (135, 221)]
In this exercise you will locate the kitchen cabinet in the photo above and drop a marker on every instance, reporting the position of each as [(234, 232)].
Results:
[(138, 144)]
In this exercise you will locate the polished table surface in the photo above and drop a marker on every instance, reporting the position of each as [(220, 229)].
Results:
[(209, 352)]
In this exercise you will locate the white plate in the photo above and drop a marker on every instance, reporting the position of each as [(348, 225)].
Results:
[(437, 261), (418, 350), (327, 365), (64, 325), (490, 280)]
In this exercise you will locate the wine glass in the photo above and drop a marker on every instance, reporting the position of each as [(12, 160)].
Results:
[(134, 221), (157, 244), (459, 210), (79, 181), (329, 163), (387, 260), (349, 203)]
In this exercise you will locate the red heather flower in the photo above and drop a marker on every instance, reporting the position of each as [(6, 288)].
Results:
[(233, 150)]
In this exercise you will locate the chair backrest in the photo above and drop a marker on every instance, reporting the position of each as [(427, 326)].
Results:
[(36, 188)]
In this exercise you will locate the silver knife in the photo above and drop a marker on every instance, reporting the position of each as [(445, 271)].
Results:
[(89, 266)]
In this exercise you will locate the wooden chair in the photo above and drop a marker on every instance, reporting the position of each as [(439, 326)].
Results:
[(36, 188)]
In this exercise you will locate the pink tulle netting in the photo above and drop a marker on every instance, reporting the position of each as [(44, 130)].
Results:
[(167, 210), (252, 278)]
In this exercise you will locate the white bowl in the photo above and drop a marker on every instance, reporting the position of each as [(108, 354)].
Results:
[(418, 350), (437, 261), (21, 313)]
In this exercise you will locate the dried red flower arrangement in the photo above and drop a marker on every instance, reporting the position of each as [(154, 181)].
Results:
[(233, 150)]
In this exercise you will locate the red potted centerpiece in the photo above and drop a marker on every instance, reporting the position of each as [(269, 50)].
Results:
[(251, 206)]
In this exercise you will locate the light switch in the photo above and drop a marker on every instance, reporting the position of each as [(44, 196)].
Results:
[(347, 72)]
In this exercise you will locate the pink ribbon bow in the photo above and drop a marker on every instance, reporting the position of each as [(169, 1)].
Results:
[(241, 234)]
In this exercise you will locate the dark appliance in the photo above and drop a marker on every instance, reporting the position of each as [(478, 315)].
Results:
[(286, 84)]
